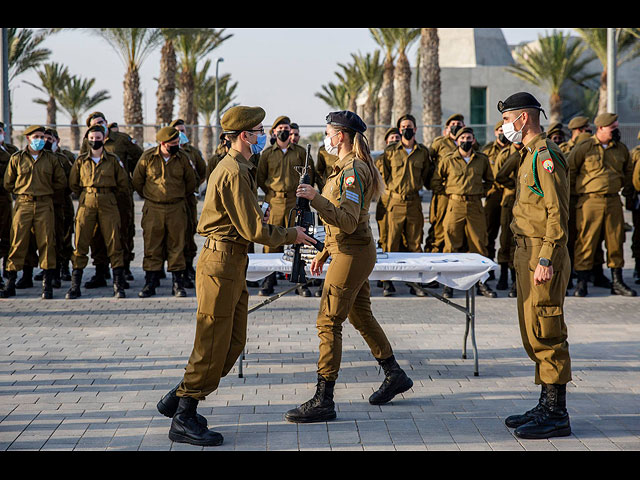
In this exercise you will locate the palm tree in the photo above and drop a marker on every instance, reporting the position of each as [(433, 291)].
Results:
[(334, 95), (370, 69), (133, 46), (53, 78), (386, 40), (192, 45), (76, 100), (352, 81), (166, 92), (549, 64), (405, 37), (430, 85), (627, 48)]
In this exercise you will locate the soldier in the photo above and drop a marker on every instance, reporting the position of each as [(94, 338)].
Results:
[(295, 133), (128, 151), (230, 219), (492, 208), (113, 126), (406, 166), (278, 179), (6, 150), (33, 175), (577, 125), (600, 168), (555, 133), (164, 177), (633, 204), (392, 135), (95, 177), (541, 259), (324, 166), (344, 208), (200, 168), (464, 176)]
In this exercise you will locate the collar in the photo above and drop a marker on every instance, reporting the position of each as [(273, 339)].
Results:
[(341, 163), (530, 147), (238, 157)]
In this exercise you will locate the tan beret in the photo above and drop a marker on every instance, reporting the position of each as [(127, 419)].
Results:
[(176, 122), (578, 122), (240, 118), (605, 119), (33, 129), (463, 130), (166, 134), (455, 116), (499, 124), (391, 131), (281, 119), (95, 115), (94, 128), (555, 127)]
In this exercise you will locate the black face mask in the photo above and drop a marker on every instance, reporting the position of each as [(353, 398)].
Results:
[(454, 129), (283, 135), (503, 140), (173, 149), (408, 133), (48, 145), (615, 135), (466, 146), (96, 144)]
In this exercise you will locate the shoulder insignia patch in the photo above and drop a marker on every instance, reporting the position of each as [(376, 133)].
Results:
[(548, 165), (350, 180)]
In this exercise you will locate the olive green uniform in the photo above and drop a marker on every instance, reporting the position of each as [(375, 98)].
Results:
[(464, 185), (540, 224), (506, 170), (200, 168), (164, 185), (597, 176), (277, 177), (382, 211), (404, 175), (96, 185), (493, 201), (324, 166), (344, 209), (230, 220), (635, 208), (34, 183), (6, 150), (440, 147)]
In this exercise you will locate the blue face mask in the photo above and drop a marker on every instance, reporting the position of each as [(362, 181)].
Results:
[(183, 138), (37, 144), (262, 141)]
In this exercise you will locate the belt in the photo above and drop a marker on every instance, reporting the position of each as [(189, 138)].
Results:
[(465, 198), (229, 247), (527, 241), (98, 189), (31, 198), (601, 195), (407, 198), (166, 203), (283, 194)]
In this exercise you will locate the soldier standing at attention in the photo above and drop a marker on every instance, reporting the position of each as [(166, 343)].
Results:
[(540, 216), (406, 166), (33, 175), (464, 176), (95, 177), (633, 204), (344, 208), (164, 177), (277, 177), (600, 168), (230, 219), (6, 150)]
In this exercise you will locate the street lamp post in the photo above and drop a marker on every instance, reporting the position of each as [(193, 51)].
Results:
[(611, 70), (4, 81), (220, 59)]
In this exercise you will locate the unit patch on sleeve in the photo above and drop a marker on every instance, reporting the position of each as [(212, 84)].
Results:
[(349, 180)]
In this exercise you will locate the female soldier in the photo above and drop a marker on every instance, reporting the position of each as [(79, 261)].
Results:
[(344, 210)]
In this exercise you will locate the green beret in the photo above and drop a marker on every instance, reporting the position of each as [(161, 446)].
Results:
[(281, 119), (166, 134), (95, 115), (391, 131), (455, 116), (94, 128), (240, 118), (605, 119), (33, 128), (555, 127), (499, 124), (176, 122), (406, 116), (463, 130), (578, 122)]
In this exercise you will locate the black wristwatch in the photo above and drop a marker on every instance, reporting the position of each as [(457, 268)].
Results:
[(545, 262)]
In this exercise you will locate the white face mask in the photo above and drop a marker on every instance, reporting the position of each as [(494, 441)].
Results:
[(510, 132), (331, 150)]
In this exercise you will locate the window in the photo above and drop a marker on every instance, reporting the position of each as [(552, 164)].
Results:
[(479, 113)]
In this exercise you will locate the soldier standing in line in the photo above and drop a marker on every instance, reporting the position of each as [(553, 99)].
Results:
[(555, 133), (6, 203), (392, 135), (633, 204)]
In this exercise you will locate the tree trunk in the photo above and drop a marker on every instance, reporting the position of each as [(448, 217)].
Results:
[(370, 119), (51, 111), (555, 102), (385, 102), (187, 105), (75, 133), (133, 104), (602, 101), (207, 137), (166, 85), (401, 88), (430, 84)]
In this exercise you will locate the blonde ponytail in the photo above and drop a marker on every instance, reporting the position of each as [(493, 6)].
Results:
[(362, 151)]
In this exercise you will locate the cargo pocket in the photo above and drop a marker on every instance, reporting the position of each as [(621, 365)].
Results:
[(549, 324), (215, 299), (337, 302)]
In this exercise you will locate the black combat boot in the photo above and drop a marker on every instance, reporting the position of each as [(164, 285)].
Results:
[(188, 278), (417, 293), (318, 292), (185, 427), (26, 281), (267, 285), (99, 278), (128, 276), (47, 284), (168, 405), (513, 293), (581, 283), (553, 421), (447, 292), (10, 287), (65, 274), (149, 289), (55, 280), (303, 291), (395, 382), (38, 276), (599, 279), (178, 284), (618, 287), (319, 409), (388, 288), (76, 281), (514, 421), (118, 283), (485, 290), (503, 281)]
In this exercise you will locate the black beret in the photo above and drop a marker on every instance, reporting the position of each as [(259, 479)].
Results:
[(391, 131), (240, 118), (32, 129), (95, 115), (177, 121), (94, 128), (519, 101), (345, 118), (167, 134), (406, 116)]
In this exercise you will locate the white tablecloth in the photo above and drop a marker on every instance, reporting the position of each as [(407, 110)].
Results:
[(456, 270)]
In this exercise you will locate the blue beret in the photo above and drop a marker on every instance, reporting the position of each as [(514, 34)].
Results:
[(346, 118)]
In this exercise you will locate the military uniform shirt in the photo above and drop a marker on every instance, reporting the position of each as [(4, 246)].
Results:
[(27, 176), (164, 182), (403, 173), (107, 173), (454, 176), (276, 170)]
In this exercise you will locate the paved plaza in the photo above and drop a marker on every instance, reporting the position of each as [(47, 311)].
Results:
[(86, 374)]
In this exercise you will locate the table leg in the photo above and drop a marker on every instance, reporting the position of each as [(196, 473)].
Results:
[(466, 327), (473, 331), (240, 364)]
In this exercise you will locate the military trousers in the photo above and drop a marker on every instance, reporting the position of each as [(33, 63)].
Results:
[(596, 215), (437, 212), (492, 213), (99, 252), (635, 237), (97, 212), (5, 223), (381, 219), (465, 221), (221, 328), (32, 214), (190, 247), (507, 245), (163, 230), (405, 223), (346, 294), (281, 204), (541, 312)]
